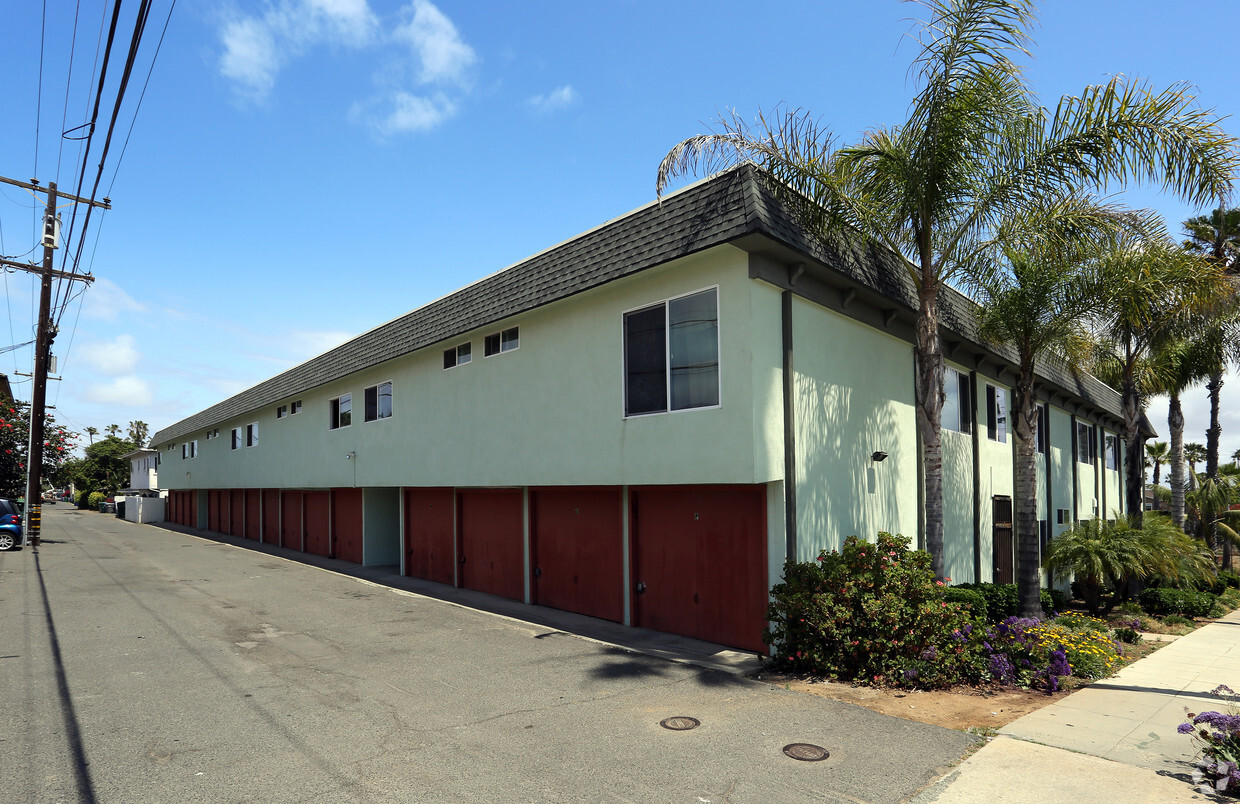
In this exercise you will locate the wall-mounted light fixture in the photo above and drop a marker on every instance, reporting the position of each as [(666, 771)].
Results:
[(879, 456)]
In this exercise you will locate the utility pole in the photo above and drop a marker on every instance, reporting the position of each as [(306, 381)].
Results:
[(43, 343)]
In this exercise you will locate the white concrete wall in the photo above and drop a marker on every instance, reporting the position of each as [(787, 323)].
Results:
[(144, 509)]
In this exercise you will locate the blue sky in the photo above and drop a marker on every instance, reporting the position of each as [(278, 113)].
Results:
[(302, 170)]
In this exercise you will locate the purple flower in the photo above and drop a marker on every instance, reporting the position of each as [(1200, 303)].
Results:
[(1185, 728), (929, 654)]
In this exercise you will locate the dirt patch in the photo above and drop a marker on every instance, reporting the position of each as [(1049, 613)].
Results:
[(962, 708), (956, 708)]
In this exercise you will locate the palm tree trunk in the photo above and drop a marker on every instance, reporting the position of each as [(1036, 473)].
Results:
[(929, 392), (1135, 449), (1028, 561), (1215, 387), (1175, 423)]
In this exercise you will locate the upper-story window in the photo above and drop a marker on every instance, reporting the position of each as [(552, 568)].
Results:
[(1110, 451), (504, 341), (996, 414), (251, 434), (236, 438), (295, 408), (281, 411), (378, 401), (671, 355), (957, 410), (1086, 443), (340, 411), (458, 355)]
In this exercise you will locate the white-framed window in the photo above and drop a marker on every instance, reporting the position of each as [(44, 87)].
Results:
[(1110, 450), (251, 435), (236, 438), (1086, 443), (996, 413), (340, 412), (671, 355), (378, 401), (184, 451), (1044, 429), (957, 402), (295, 408), (458, 355), (507, 340), (281, 411), (193, 448)]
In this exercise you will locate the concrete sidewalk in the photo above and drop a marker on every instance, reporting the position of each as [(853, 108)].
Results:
[(1115, 739)]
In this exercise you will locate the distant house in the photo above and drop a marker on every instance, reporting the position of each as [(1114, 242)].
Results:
[(643, 424), (143, 498)]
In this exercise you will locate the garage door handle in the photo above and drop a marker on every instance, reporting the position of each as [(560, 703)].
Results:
[(537, 572), (462, 559), (641, 587)]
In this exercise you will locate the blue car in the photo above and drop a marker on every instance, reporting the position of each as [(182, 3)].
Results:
[(10, 524)]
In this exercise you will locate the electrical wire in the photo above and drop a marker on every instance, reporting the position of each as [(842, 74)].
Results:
[(64, 117), (142, 96)]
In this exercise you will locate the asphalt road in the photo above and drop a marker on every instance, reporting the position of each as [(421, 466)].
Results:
[(139, 664)]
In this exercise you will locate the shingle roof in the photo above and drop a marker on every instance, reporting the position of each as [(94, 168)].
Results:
[(709, 213)]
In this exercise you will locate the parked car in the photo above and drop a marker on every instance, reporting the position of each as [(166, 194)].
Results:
[(10, 524)]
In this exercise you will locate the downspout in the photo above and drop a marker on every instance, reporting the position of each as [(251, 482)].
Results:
[(1099, 468), (974, 428), (1051, 518), (790, 430), (1103, 473), (921, 463), (1076, 482)]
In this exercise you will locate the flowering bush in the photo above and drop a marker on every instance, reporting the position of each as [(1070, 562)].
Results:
[(1090, 653), (872, 611), (1217, 736)]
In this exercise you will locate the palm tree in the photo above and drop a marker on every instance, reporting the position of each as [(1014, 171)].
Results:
[(1177, 363), (1194, 453), (1157, 455), (113, 430), (138, 431), (1161, 292), (976, 149), (1235, 457), (91, 432), (1210, 502), (1216, 237), (1037, 302)]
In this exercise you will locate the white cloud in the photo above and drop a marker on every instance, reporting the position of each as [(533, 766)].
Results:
[(403, 112), (250, 56), (256, 47), (444, 56), (107, 301), (554, 100), (120, 391), (114, 358)]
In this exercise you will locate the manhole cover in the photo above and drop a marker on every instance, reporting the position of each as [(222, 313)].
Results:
[(680, 723), (806, 752)]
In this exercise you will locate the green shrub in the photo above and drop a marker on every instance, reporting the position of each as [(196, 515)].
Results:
[(972, 598), (1229, 579), (872, 612), (82, 500), (1175, 619), (1091, 654), (94, 499), (1128, 635), (1002, 599), (1053, 600), (1183, 602)]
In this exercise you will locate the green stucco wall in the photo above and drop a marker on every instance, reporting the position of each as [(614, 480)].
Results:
[(854, 396), (548, 413)]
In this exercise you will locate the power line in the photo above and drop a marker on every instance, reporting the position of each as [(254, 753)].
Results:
[(142, 96)]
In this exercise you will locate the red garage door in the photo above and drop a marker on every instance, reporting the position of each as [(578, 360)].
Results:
[(253, 518), (271, 516), (318, 523), (491, 532), (193, 509), (213, 510), (290, 520), (236, 512), (577, 550), (347, 524), (699, 562), (429, 528)]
